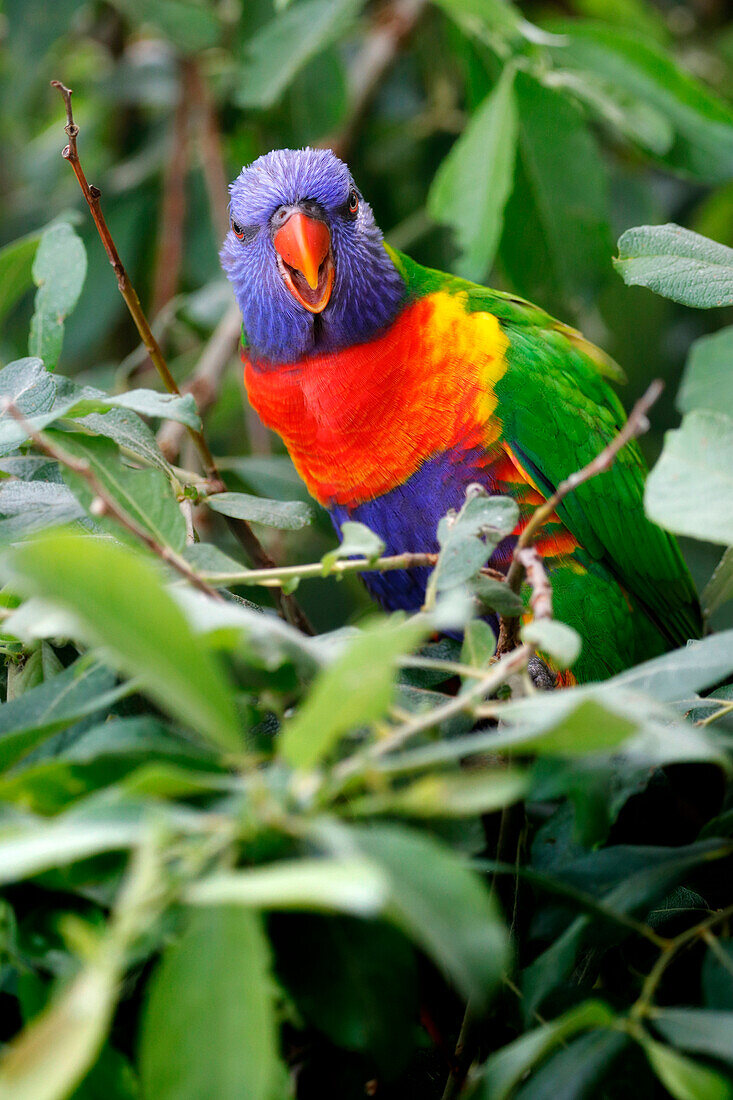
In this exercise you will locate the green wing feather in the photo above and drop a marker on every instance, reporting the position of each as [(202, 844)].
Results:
[(557, 413)]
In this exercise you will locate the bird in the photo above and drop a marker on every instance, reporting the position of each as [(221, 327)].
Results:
[(395, 387)]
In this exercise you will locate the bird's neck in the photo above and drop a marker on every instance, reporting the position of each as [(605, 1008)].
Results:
[(369, 294)]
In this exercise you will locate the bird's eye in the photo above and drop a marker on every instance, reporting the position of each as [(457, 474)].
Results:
[(237, 230), (353, 204)]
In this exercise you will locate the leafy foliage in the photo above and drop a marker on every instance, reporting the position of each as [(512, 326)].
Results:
[(241, 860)]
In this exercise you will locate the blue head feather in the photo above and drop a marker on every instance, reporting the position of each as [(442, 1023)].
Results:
[(367, 291)]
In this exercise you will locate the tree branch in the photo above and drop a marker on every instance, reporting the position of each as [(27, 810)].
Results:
[(635, 426), (241, 530)]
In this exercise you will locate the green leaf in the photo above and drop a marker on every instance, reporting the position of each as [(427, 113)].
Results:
[(48, 1059), (717, 975), (355, 690), (29, 386), (146, 496), (352, 885), (701, 1030), (572, 1071), (683, 1078), (441, 905), (569, 211), (77, 402), (30, 849), (506, 1068), (480, 792), (677, 264), (167, 406), (120, 603), (497, 596), (277, 52), (468, 539), (80, 690), (635, 119), (354, 980), (493, 21), (209, 1025), (357, 541), (708, 379), (474, 181), (560, 642), (702, 122), (636, 879), (16, 265), (688, 488), (679, 674), (211, 562), (287, 515), (189, 26), (479, 644), (28, 506), (719, 588), (59, 270)]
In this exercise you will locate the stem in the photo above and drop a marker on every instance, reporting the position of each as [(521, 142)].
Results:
[(277, 575), (241, 530), (643, 1004)]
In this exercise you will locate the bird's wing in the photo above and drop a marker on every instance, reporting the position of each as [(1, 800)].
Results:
[(557, 414)]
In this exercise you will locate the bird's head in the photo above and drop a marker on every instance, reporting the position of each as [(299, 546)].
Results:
[(305, 256)]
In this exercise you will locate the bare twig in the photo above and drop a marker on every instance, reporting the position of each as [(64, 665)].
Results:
[(241, 530), (541, 598), (105, 504), (635, 426)]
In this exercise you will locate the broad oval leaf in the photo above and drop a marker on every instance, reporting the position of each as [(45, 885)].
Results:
[(441, 905), (209, 1026), (59, 270), (677, 264), (287, 515), (277, 52), (474, 181), (119, 601), (690, 488), (708, 379), (355, 690)]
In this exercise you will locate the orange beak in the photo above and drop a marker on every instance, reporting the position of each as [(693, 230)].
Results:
[(304, 247)]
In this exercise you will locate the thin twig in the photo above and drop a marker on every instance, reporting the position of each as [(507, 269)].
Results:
[(494, 677), (541, 599), (643, 1005), (105, 504), (635, 426), (279, 575), (241, 530)]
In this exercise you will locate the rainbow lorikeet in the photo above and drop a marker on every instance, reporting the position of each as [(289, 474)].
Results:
[(395, 386)]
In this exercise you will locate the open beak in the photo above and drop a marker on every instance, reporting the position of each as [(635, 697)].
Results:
[(305, 260)]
